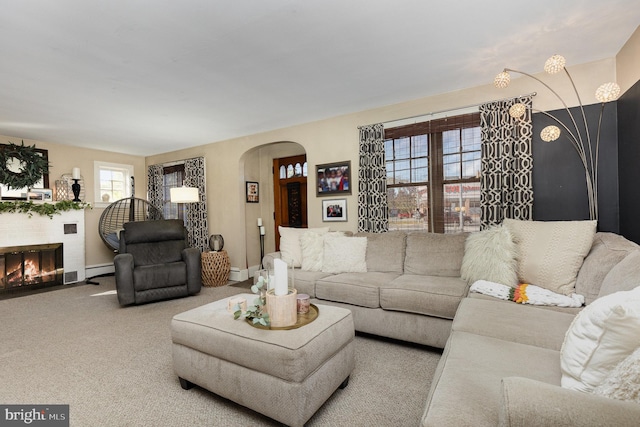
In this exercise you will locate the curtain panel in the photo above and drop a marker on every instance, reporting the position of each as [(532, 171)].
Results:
[(373, 215), (155, 192), (506, 162), (196, 213), (194, 176)]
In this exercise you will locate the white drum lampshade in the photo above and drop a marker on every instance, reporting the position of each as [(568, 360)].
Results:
[(184, 195)]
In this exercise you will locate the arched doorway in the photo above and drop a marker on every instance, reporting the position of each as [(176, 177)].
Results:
[(257, 165), (290, 193)]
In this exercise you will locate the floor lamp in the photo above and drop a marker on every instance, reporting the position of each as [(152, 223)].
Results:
[(184, 195)]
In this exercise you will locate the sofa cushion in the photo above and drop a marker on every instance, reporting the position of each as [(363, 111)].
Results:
[(512, 322), (385, 251), (354, 288), (305, 281), (344, 255), (490, 255), (625, 276), (434, 254), (623, 382), (467, 387), (290, 249), (602, 335), (608, 249), (550, 253), (428, 295)]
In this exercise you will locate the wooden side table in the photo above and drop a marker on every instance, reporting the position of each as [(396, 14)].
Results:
[(215, 268)]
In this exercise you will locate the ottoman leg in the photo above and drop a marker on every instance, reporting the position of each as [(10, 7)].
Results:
[(344, 383), (186, 385)]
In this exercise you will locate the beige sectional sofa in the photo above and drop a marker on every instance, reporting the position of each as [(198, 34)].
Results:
[(501, 363), (410, 290)]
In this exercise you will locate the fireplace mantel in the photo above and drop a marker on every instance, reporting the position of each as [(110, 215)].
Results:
[(19, 229)]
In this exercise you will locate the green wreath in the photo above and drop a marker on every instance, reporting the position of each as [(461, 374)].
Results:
[(32, 166)]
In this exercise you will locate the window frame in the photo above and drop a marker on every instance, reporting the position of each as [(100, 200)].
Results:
[(99, 166), (434, 131)]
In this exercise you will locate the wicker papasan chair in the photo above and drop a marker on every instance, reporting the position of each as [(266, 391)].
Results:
[(122, 211)]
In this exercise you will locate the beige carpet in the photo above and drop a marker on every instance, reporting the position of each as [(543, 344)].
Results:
[(113, 366)]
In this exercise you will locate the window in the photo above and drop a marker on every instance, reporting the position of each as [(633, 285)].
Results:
[(433, 175), (112, 182), (173, 176)]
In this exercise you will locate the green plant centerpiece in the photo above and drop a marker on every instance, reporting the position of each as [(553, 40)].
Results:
[(21, 166), (257, 312), (44, 209)]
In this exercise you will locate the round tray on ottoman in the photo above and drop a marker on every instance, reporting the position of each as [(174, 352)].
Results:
[(284, 374)]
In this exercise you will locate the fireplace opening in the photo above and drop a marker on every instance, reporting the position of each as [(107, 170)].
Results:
[(30, 267)]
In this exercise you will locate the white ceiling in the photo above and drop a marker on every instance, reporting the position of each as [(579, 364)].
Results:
[(151, 76)]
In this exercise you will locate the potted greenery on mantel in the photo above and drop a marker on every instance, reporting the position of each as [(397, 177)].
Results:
[(44, 209)]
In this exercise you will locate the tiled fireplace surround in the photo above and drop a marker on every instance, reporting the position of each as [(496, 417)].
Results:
[(18, 229)]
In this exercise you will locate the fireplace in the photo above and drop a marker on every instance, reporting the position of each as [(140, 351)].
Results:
[(31, 267)]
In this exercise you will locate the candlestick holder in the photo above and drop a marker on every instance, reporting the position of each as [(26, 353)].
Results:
[(75, 187), (262, 232)]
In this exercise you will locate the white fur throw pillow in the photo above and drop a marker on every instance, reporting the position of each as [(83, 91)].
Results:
[(490, 255), (312, 245), (345, 255), (623, 383), (290, 249), (601, 336)]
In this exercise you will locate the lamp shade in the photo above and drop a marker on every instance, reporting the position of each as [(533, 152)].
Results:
[(184, 195), (555, 64)]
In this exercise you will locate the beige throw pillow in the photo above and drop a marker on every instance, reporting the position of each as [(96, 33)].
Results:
[(344, 255), (550, 253), (490, 255)]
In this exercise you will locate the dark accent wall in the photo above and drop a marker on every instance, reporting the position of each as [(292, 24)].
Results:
[(629, 161), (559, 184)]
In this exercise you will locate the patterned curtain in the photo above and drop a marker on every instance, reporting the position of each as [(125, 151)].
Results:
[(194, 176), (507, 163), (373, 215), (155, 192)]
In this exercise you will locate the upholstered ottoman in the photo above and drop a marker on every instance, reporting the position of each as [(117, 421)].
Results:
[(284, 374)]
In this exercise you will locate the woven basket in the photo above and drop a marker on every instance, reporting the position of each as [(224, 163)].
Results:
[(215, 268)]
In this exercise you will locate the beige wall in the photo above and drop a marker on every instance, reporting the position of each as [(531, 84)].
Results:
[(231, 162), (628, 62), (62, 159)]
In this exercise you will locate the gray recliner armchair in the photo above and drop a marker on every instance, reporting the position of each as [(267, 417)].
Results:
[(154, 262)]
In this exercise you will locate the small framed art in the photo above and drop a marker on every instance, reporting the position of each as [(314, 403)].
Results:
[(253, 192), (334, 210), (333, 178)]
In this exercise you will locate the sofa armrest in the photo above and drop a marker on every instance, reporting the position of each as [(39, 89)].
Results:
[(526, 402), (123, 264), (193, 259), (267, 261)]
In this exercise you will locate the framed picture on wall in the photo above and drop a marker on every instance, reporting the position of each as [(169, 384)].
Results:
[(333, 178), (334, 210), (253, 192)]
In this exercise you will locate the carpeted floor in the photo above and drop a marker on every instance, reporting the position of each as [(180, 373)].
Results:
[(113, 366)]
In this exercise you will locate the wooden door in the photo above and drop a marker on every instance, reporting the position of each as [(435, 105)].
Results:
[(290, 193)]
